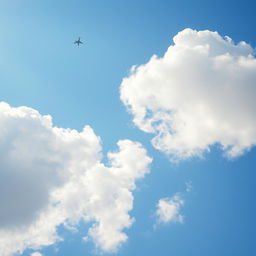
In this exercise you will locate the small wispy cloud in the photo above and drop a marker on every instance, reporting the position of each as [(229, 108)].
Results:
[(189, 186), (36, 254), (168, 209)]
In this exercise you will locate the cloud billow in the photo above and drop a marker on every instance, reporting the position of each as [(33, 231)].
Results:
[(51, 176), (200, 93)]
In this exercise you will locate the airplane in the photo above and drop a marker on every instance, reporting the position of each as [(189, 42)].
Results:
[(78, 41)]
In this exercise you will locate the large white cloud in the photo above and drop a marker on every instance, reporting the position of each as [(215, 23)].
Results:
[(201, 92), (51, 176)]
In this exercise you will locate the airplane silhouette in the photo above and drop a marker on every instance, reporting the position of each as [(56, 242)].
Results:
[(78, 41)]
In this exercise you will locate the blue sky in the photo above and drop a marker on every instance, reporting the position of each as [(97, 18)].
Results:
[(42, 69)]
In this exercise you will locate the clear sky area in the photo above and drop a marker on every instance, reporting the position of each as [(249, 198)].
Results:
[(139, 141)]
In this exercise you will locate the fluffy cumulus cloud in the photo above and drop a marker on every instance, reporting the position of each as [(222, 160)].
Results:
[(168, 209), (51, 176), (200, 93)]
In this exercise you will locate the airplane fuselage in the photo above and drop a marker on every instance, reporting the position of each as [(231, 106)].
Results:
[(78, 42)]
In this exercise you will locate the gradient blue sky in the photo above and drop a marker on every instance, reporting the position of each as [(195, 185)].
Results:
[(42, 68)]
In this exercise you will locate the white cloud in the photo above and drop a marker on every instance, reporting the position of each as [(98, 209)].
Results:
[(201, 92), (36, 254), (168, 209), (189, 186), (51, 176)]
